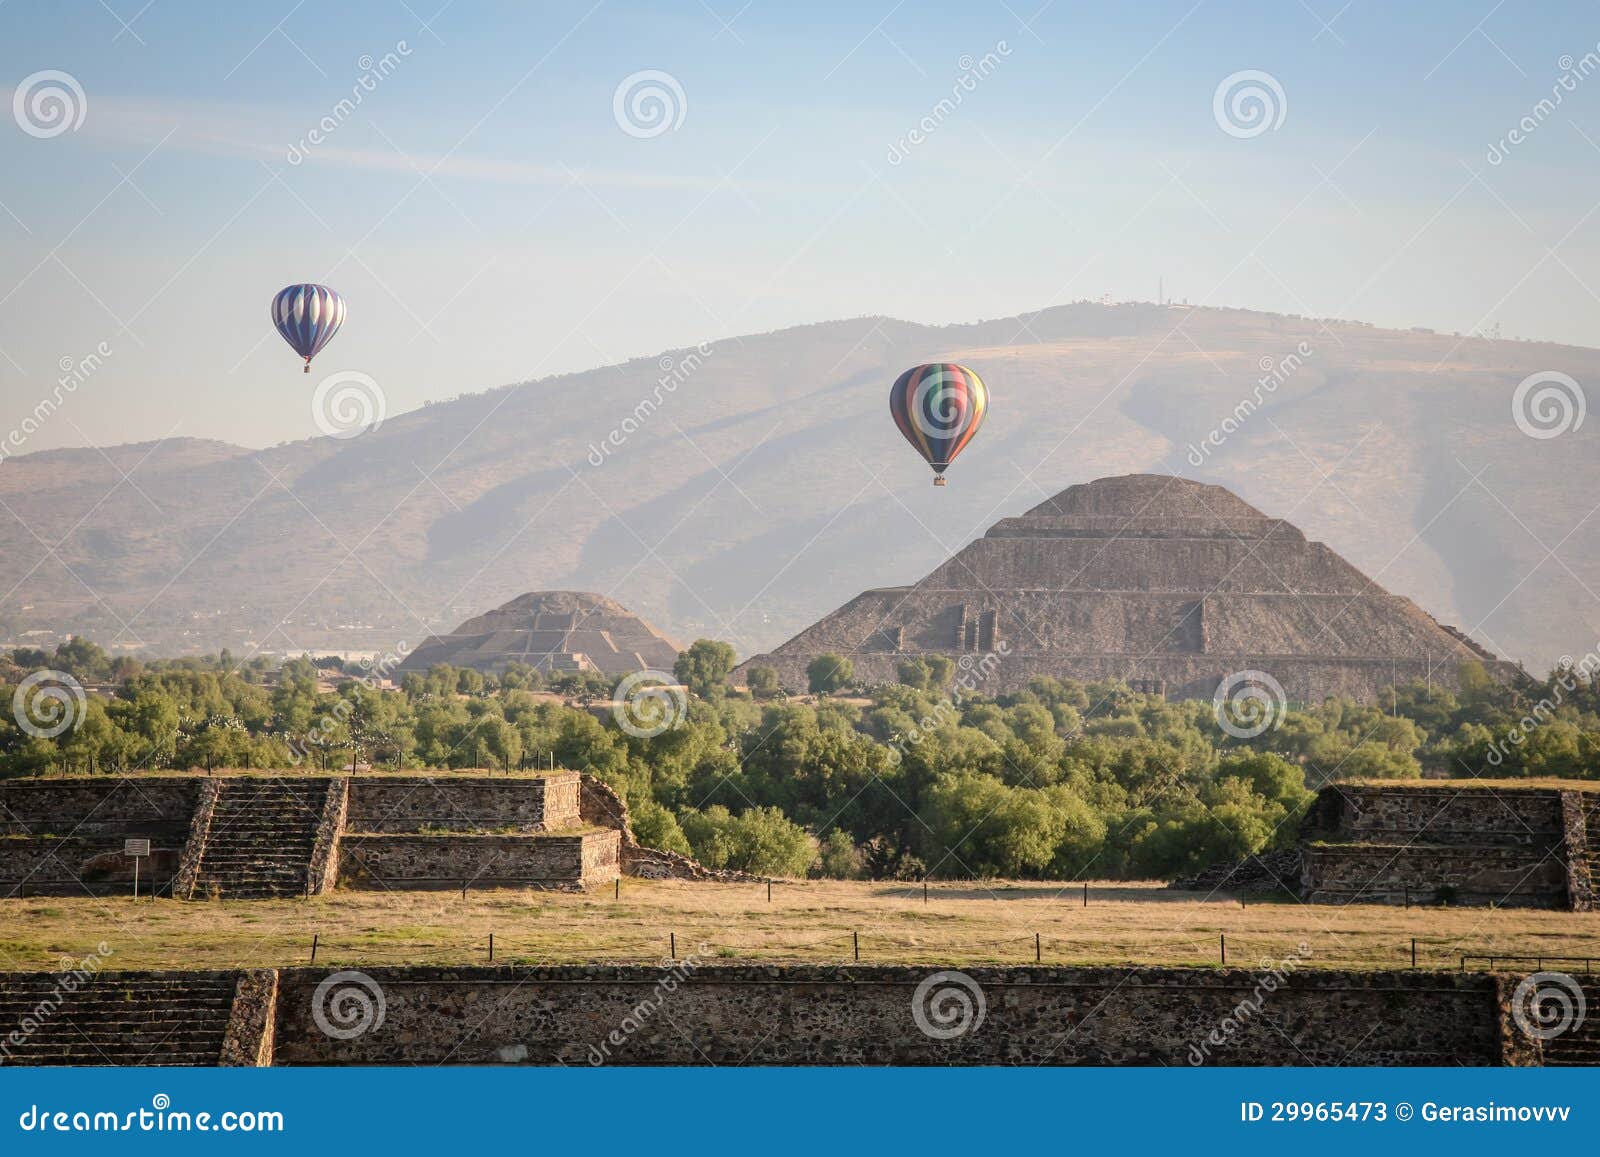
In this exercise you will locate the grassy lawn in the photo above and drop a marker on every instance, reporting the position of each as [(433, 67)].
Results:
[(972, 923)]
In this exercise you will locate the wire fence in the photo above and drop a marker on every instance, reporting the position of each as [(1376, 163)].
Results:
[(1221, 950), (1584, 964)]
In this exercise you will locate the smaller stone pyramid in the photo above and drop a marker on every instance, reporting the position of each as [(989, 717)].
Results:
[(552, 632)]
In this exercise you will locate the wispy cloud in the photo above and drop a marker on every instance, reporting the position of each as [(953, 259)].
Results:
[(263, 133)]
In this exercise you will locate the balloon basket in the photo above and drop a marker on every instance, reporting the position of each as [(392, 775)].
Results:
[(938, 479), (307, 369)]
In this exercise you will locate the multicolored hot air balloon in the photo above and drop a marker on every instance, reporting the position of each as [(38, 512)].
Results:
[(939, 408), (308, 316)]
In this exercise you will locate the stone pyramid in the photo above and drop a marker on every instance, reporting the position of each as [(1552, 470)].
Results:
[(551, 631), (1170, 584)]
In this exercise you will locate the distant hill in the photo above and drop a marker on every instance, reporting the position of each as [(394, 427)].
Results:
[(743, 492)]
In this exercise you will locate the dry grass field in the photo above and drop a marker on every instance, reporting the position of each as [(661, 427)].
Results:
[(815, 921)]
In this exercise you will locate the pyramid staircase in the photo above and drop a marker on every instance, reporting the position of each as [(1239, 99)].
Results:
[(1579, 1045), (260, 839), (115, 1020)]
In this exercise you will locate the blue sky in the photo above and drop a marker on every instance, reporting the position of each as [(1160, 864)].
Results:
[(489, 220)]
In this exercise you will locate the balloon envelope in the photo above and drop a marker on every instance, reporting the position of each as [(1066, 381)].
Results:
[(939, 408), (308, 316)]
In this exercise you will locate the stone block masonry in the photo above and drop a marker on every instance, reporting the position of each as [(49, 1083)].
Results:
[(1456, 843), (809, 1015), (563, 862), (65, 837), (691, 1012), (246, 836), (464, 804)]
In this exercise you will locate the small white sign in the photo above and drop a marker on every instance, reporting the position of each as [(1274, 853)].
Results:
[(136, 847)]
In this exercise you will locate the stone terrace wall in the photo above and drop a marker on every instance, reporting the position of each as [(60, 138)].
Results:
[(1390, 874), (565, 862), (80, 865), (65, 836), (115, 806), (410, 804), (1468, 845), (1442, 814), (863, 1015)]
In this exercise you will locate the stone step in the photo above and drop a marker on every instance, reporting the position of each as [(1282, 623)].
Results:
[(308, 815), (117, 992), (261, 838), (15, 1009), (160, 1058), (134, 1019), (116, 1002)]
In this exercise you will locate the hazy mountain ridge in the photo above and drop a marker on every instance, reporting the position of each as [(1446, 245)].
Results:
[(769, 486)]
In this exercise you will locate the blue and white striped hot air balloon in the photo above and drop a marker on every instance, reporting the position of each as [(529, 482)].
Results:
[(308, 316)]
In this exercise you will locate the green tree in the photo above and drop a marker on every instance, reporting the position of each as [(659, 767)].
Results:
[(838, 857), (764, 682), (760, 841), (828, 673), (704, 668), (912, 673)]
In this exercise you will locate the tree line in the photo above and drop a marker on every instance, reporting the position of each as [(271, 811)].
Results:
[(1059, 780)]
